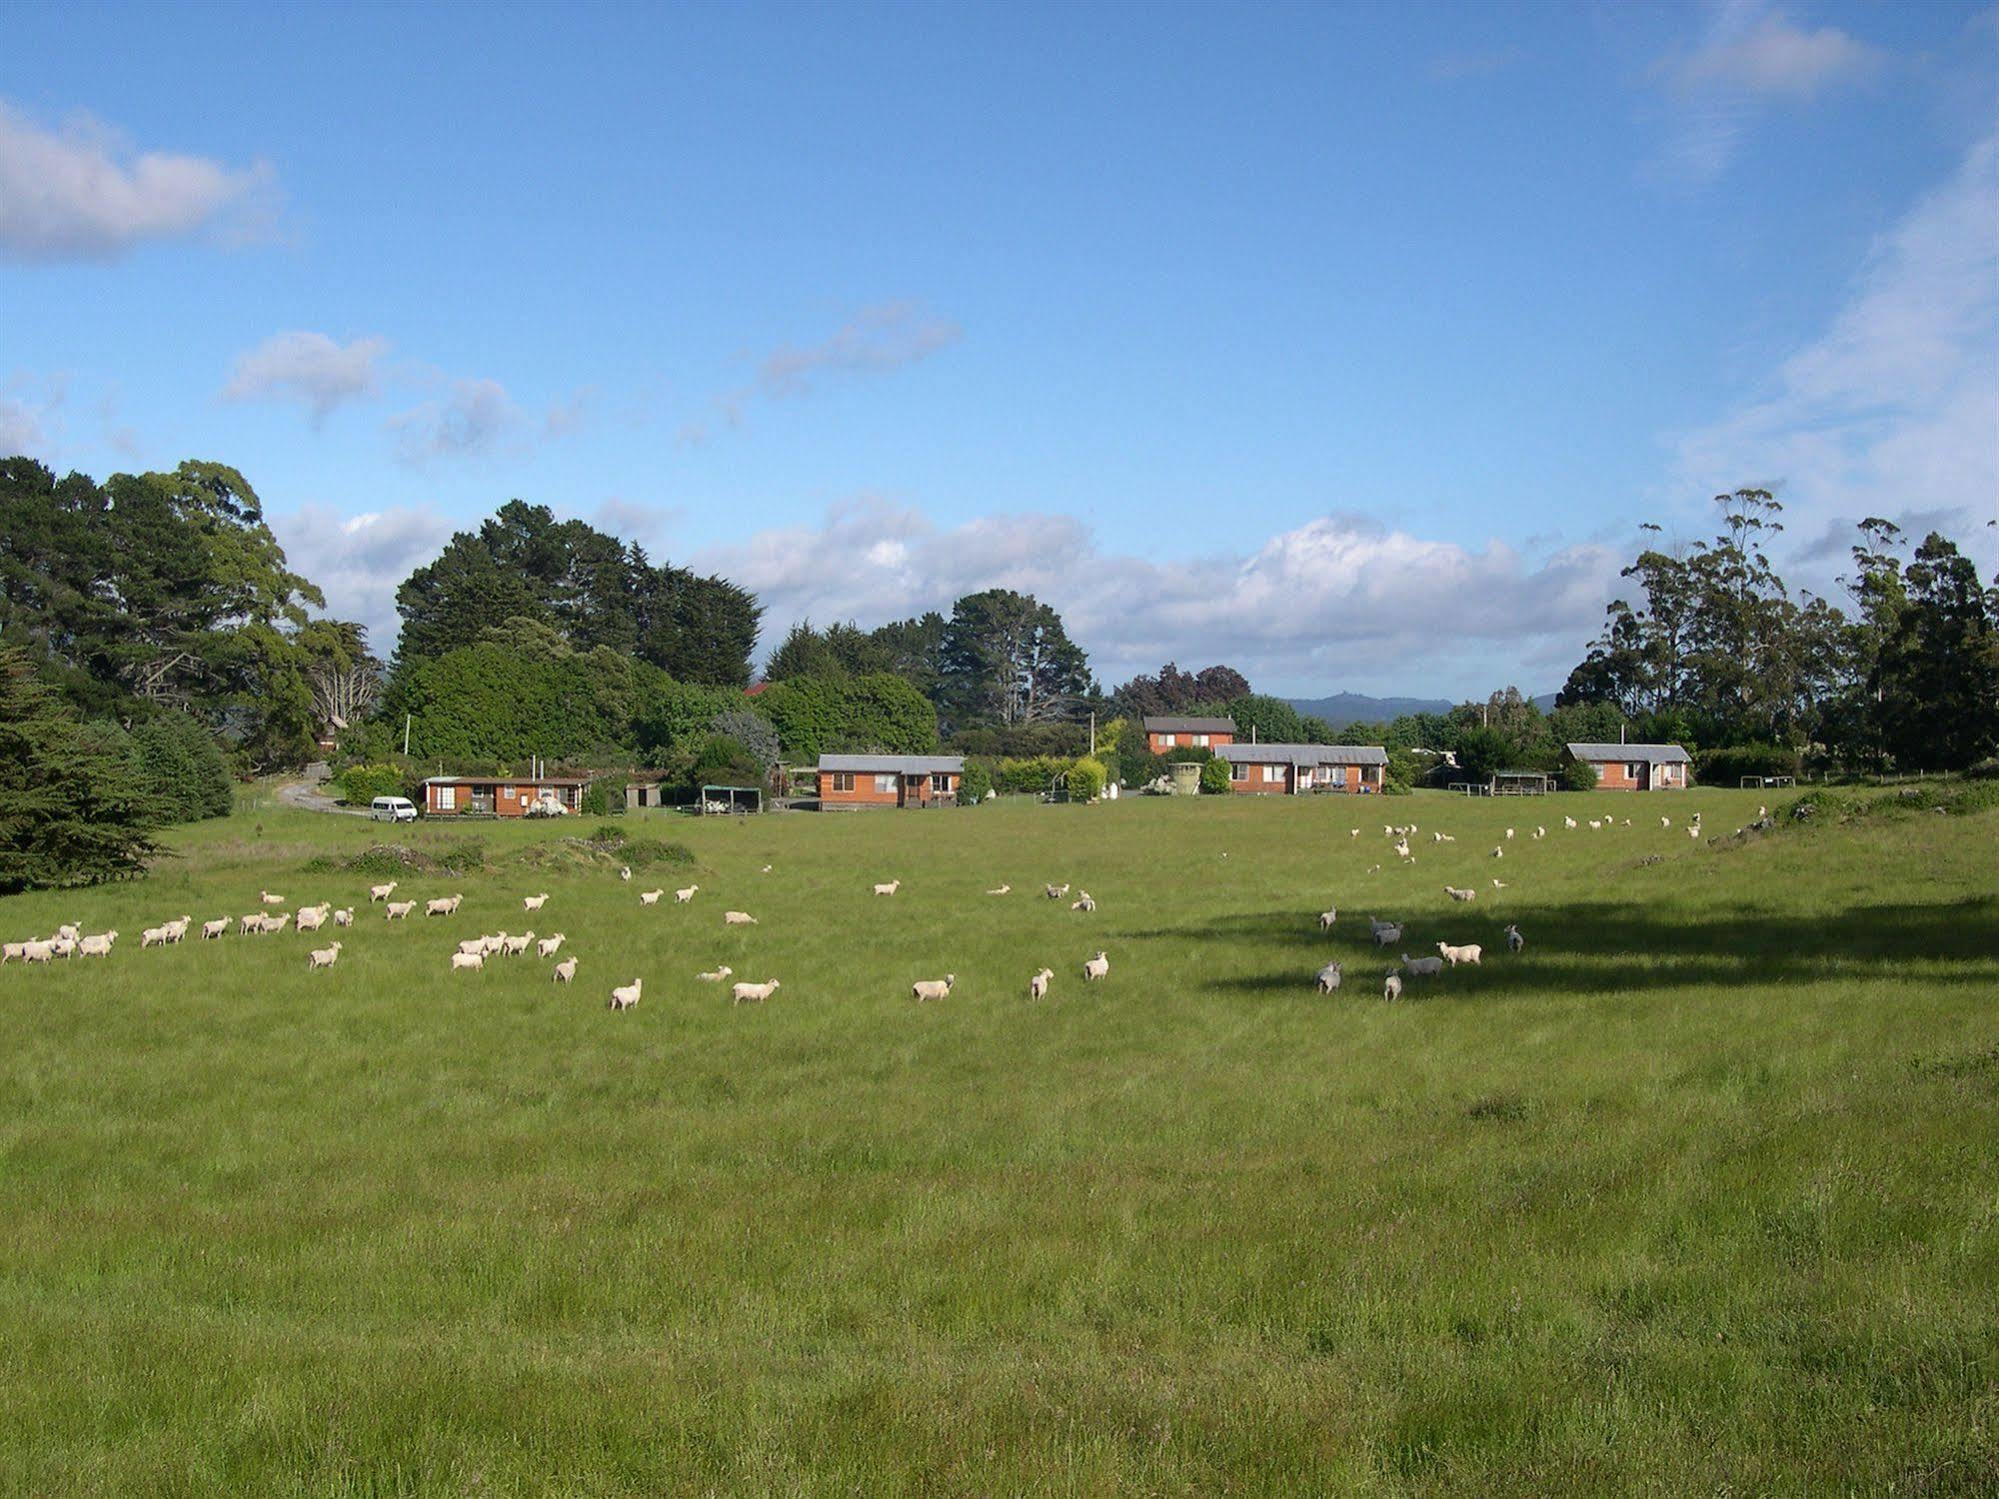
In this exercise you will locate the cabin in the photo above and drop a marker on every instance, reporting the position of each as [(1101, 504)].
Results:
[(327, 740), (1295, 769), (502, 796), (1636, 767), (643, 794), (847, 781), (1164, 732)]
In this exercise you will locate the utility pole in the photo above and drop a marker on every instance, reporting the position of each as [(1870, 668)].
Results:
[(406, 736), (1093, 733)]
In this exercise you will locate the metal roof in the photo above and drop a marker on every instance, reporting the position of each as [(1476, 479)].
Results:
[(1650, 754), (909, 765), (505, 781), (1304, 754), (1167, 723)]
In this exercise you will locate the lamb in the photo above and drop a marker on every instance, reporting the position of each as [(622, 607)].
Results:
[(753, 993), (277, 923), (715, 975), (474, 945), (153, 936), (1594, 824), (399, 910), (1499, 884), (322, 957), (1055, 892), (98, 946), (534, 902), (1470, 953), (344, 916), (269, 899), (1387, 935), (548, 947), (650, 897), (1327, 917), (1568, 822), (513, 947), (1514, 941), (1540, 832), (1665, 822), (1509, 834), (625, 874), (890, 888), (1420, 968), (682, 897), (738, 918), (467, 960), (1087, 903), (928, 989), (1353, 832), (625, 997), (1037, 987), (1456, 894), (210, 930), (1499, 851), (1693, 832), (443, 906), (1003, 890), (563, 972), (1329, 978), (1097, 967), (251, 923), (381, 892), (1392, 987)]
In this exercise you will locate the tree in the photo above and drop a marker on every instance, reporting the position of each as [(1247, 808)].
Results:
[(70, 813), (1936, 682), (1005, 655), (1176, 691), (180, 768), (1271, 720)]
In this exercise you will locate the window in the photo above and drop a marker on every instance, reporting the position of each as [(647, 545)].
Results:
[(940, 782), (843, 780), (1200, 741), (1238, 770), (885, 785), (508, 793), (1339, 776), (1273, 774), (1633, 771), (447, 798)]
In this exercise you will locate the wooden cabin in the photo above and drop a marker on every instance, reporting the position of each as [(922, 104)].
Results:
[(889, 780)]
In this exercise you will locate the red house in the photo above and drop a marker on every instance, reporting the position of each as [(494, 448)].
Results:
[(1294, 769), (502, 796), (1635, 767), (1165, 731), (889, 780)]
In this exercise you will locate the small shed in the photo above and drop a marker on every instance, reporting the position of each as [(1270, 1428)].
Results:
[(642, 794)]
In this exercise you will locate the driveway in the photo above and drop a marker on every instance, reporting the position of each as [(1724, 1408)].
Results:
[(311, 795)]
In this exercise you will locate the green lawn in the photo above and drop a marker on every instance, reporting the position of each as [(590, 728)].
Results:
[(1698, 1194)]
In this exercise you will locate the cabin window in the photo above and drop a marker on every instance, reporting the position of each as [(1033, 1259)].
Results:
[(1273, 774), (1633, 771), (843, 780), (447, 798), (1238, 770), (885, 785), (509, 792), (1339, 776), (1200, 741), (940, 782)]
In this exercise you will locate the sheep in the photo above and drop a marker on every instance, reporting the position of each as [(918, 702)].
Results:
[(1470, 953), (344, 916), (269, 899), (513, 947), (69, 931), (650, 897), (1097, 967), (563, 972), (1329, 978), (682, 897), (98, 946), (1456, 894), (445, 905), (1327, 917), (624, 997), (10, 950), (1056, 892), (1514, 941), (738, 918), (1002, 890), (1402, 849), (1509, 834), (253, 922), (1499, 884), (1037, 987), (1665, 822), (398, 910), (1595, 824), (381, 892), (1499, 851), (548, 947), (1568, 822), (1387, 936), (177, 928), (1391, 988), (764, 870), (1540, 832), (491, 946), (473, 945), (310, 919), (715, 975), (753, 993), (153, 936), (1353, 832), (38, 952), (210, 930), (1421, 968), (1374, 869), (467, 960), (890, 888), (928, 989), (625, 874), (322, 957), (62, 947), (534, 902), (1088, 902), (1693, 832)]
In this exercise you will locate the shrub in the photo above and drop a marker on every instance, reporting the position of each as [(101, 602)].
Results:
[(1984, 770), (1577, 775), (1029, 777), (1215, 776), (180, 767), (1727, 767), (361, 784), (973, 785), (1086, 781)]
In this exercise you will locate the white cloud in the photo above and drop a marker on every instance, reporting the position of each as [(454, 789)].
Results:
[(360, 560), (79, 193), (1340, 601), (471, 420), (31, 421), (310, 368)]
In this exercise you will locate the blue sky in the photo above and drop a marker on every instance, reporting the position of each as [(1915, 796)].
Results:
[(1348, 345)]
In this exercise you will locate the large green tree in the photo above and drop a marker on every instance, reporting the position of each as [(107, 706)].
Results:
[(1006, 656), (1935, 683)]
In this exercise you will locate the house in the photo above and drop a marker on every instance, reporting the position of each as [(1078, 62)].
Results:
[(1635, 767), (502, 796), (328, 738), (1293, 769), (1165, 731), (889, 780)]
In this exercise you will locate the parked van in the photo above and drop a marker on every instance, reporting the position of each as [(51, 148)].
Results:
[(392, 809)]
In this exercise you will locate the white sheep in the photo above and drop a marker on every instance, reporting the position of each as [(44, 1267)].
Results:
[(1392, 987), (1056, 892), (1002, 890), (177, 928), (927, 989), (624, 997), (153, 936), (344, 916), (38, 952), (738, 918), (444, 905), (310, 919), (62, 947), (1402, 848), (548, 947), (463, 960), (10, 950), (534, 902), (97, 946), (1568, 822), (381, 892), (210, 930), (1595, 824), (1470, 953), (1097, 967), (1540, 832), (715, 975), (625, 874), (1665, 822), (1456, 894), (1514, 941), (753, 993), (563, 972), (1693, 832), (269, 899), (890, 888), (1353, 832), (398, 910), (513, 947), (682, 897), (251, 923), (1499, 851), (1499, 884), (1327, 917), (1420, 968), (491, 946), (322, 957), (1088, 902), (69, 931), (1329, 978), (1037, 987), (1509, 834), (650, 897), (1387, 934), (473, 945)]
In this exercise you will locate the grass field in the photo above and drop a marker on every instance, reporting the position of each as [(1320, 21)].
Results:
[(1697, 1194)]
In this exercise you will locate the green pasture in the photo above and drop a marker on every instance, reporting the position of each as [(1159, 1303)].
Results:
[(1696, 1195)]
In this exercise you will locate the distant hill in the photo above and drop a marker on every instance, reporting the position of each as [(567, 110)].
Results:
[(1343, 708)]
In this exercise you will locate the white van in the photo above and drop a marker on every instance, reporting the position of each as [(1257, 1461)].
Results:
[(392, 809)]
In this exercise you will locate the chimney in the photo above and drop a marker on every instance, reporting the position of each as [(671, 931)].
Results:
[(1620, 732)]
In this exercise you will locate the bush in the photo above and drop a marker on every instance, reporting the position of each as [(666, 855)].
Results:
[(1727, 767), (973, 785), (1086, 781), (1028, 777), (1215, 776), (180, 767), (361, 784), (1577, 775), (1984, 770)]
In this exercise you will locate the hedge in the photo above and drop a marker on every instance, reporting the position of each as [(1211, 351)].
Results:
[(1727, 767)]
